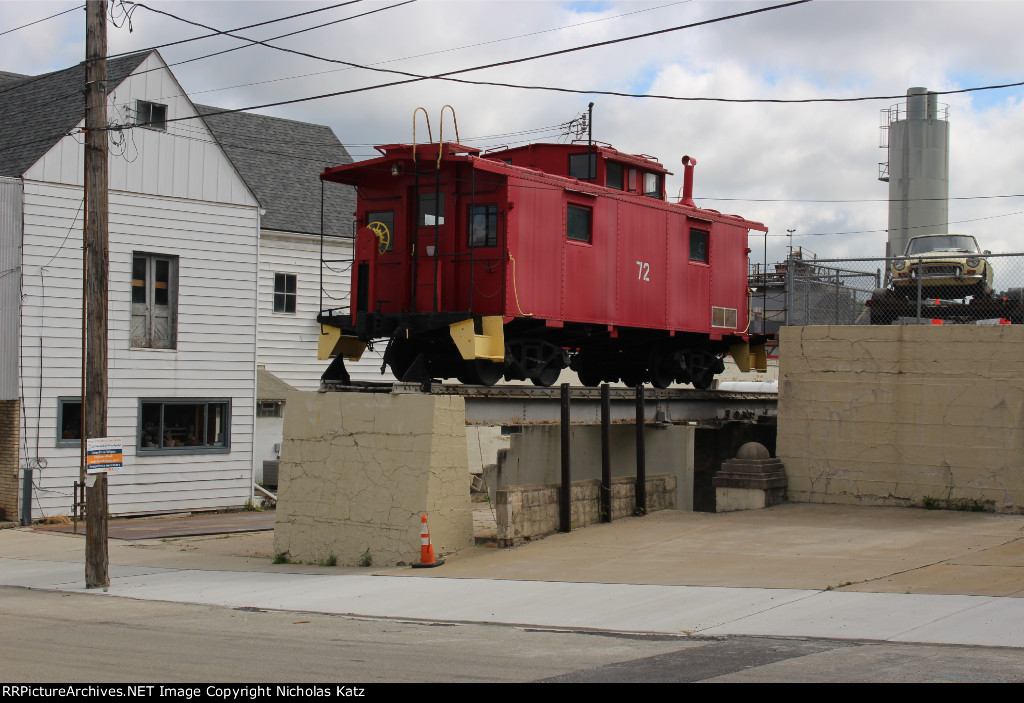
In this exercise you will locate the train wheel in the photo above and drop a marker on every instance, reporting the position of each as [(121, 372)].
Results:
[(482, 373), (547, 375), (702, 379), (632, 378), (662, 372)]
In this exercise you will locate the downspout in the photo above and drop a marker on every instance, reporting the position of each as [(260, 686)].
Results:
[(255, 356)]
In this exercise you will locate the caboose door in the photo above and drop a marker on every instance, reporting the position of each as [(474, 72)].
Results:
[(431, 248)]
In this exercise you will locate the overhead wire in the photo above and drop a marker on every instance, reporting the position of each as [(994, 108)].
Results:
[(439, 51), (15, 29)]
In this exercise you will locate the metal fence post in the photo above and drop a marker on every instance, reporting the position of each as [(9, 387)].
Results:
[(565, 499), (789, 290), (920, 264)]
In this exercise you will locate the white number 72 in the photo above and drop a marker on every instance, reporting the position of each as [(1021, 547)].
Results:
[(643, 269)]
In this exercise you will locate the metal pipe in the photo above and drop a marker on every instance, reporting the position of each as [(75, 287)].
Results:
[(641, 455), (606, 454), (688, 164), (565, 497)]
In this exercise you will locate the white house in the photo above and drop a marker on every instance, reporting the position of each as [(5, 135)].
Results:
[(200, 293)]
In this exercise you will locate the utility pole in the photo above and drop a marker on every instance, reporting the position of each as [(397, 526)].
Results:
[(96, 266)]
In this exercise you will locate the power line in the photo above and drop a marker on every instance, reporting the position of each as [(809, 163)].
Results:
[(876, 231), (15, 29), (861, 200), (239, 29), (439, 51), (415, 78), (253, 42)]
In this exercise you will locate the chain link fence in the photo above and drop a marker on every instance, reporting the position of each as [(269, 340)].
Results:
[(941, 287)]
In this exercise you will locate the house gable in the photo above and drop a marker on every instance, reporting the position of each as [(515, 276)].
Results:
[(182, 160)]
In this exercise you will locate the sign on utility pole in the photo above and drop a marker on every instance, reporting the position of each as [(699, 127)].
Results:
[(96, 268)]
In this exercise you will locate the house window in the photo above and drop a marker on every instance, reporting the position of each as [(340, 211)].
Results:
[(431, 209), (269, 408), (184, 426), (577, 223), (386, 218), (483, 225), (698, 245), (583, 166), (69, 422), (150, 115), (284, 292), (154, 301), (613, 175)]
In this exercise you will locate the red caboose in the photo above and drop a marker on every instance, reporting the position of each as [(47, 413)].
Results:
[(521, 262)]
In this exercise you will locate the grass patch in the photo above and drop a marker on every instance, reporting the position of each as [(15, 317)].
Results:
[(282, 558), (366, 559)]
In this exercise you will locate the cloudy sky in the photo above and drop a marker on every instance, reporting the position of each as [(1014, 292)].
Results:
[(761, 160)]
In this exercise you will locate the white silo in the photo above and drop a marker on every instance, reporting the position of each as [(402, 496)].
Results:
[(916, 135)]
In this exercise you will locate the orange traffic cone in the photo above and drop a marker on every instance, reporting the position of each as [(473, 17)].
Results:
[(426, 549)]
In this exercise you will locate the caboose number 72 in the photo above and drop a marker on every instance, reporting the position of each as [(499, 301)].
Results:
[(521, 262)]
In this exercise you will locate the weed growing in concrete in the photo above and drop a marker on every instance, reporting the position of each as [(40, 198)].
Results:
[(930, 503), (971, 506), (330, 561), (282, 558), (252, 507), (366, 559)]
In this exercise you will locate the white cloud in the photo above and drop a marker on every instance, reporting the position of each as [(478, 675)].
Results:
[(796, 152)]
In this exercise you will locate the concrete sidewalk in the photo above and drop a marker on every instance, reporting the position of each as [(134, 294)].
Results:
[(902, 575)]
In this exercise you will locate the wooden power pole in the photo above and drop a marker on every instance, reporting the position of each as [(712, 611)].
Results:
[(96, 269)]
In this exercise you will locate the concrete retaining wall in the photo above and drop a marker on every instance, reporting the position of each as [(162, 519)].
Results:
[(535, 457), (531, 511), (358, 470), (892, 415)]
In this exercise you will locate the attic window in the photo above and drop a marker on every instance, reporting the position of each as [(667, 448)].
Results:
[(151, 115)]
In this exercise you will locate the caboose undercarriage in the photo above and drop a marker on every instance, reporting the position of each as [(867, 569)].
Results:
[(484, 350)]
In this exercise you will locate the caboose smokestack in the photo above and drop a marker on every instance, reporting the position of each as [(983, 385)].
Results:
[(688, 164)]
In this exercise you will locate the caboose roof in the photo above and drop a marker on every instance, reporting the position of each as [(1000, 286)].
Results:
[(606, 151)]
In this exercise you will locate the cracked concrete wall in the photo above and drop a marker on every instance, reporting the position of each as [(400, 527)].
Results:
[(359, 469), (887, 415)]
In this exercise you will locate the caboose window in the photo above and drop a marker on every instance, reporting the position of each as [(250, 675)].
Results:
[(431, 209), (577, 223), (386, 218), (613, 175), (583, 166), (652, 185), (698, 245), (483, 225)]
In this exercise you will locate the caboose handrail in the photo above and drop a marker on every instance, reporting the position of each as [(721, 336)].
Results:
[(430, 134), (440, 133)]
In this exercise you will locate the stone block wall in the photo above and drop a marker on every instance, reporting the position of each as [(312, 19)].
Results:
[(358, 470), (531, 511), (9, 423), (889, 415)]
